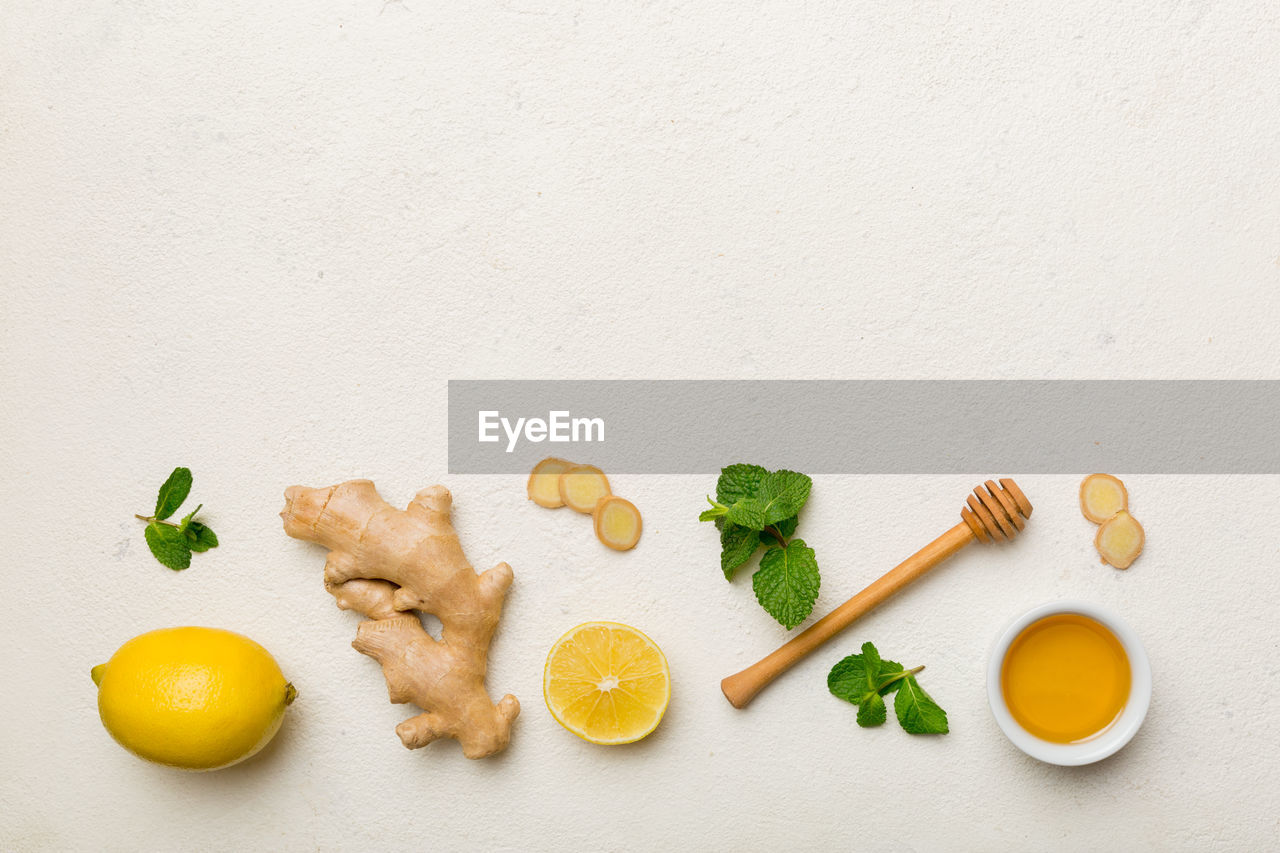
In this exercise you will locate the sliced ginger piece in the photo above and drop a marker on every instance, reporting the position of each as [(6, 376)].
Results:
[(582, 486), (618, 523), (1102, 496), (1119, 540), (544, 482)]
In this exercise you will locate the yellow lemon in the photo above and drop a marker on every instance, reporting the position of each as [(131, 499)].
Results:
[(195, 698), (607, 683)]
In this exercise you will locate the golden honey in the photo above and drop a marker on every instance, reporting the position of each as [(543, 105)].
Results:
[(1065, 678)]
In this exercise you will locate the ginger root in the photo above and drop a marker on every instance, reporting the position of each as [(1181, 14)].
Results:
[(617, 522), (1102, 496), (384, 563), (1120, 540), (544, 482), (582, 486)]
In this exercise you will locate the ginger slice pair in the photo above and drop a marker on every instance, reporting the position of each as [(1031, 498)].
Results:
[(558, 482), (1105, 501)]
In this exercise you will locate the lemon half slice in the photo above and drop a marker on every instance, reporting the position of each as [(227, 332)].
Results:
[(607, 683)]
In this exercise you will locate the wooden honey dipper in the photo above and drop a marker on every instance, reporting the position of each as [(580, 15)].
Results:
[(994, 514)]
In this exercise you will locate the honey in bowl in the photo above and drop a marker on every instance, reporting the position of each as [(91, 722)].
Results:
[(1065, 678)]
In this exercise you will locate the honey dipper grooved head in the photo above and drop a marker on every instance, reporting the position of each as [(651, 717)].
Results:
[(996, 512)]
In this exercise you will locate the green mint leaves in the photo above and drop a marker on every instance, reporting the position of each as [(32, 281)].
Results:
[(865, 680), (916, 710), (787, 583), (755, 507), (173, 493), (737, 544), (172, 544), (198, 536), (750, 496), (169, 545)]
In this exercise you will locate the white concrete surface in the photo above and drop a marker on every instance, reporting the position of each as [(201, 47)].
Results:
[(258, 238)]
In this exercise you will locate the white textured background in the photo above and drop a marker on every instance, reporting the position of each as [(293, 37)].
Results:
[(257, 238)]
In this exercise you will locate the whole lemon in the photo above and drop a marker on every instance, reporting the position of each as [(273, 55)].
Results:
[(195, 698)]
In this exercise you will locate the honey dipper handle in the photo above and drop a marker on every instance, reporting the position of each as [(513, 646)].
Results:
[(739, 689)]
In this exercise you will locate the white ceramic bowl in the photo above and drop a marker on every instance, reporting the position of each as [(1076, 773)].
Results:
[(1100, 746)]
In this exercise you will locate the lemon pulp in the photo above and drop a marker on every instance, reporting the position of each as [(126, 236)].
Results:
[(607, 683)]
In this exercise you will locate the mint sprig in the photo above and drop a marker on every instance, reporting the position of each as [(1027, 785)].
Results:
[(170, 543), (865, 680), (755, 507)]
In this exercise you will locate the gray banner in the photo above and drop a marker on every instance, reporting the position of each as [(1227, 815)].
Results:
[(868, 426)]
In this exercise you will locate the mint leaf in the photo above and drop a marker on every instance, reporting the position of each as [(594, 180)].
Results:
[(737, 544), (173, 493), (739, 481), (783, 493), (916, 710), (712, 514), (200, 537), (169, 545), (850, 679), (787, 582), (748, 512), (871, 656), (872, 712)]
